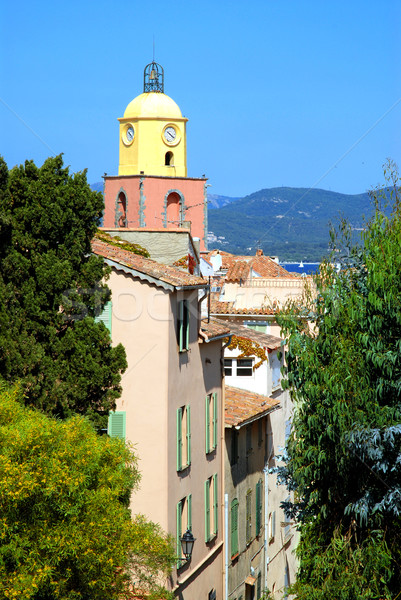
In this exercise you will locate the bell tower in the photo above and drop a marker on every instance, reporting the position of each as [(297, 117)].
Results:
[(152, 190), (153, 131)]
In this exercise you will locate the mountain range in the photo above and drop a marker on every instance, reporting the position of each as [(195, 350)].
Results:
[(291, 223)]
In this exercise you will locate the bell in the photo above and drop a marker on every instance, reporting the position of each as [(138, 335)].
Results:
[(152, 74)]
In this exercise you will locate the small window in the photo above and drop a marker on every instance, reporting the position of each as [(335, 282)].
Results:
[(169, 159), (183, 326), (228, 367), (276, 371), (244, 367), (287, 522), (249, 438), (272, 525), (184, 522), (183, 437), (234, 446), (211, 507)]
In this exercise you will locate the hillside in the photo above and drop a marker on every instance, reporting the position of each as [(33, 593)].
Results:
[(292, 223)]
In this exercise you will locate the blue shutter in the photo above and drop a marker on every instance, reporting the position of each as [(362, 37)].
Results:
[(116, 424)]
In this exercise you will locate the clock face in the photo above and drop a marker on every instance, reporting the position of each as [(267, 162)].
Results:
[(170, 134), (128, 135)]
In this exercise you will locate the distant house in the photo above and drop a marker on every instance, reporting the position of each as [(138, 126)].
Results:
[(171, 407)]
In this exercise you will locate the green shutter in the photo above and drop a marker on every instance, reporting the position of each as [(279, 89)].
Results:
[(207, 510), (215, 504), (207, 417), (179, 533), (189, 434), (189, 500), (179, 439), (214, 420), (116, 424), (258, 507), (248, 516), (105, 316), (234, 527), (181, 325)]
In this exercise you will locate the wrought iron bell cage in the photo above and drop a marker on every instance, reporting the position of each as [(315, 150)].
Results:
[(153, 78)]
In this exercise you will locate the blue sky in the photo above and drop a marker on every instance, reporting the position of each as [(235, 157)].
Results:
[(277, 92)]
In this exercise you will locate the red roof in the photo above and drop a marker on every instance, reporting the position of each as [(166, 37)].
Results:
[(165, 273), (238, 267), (227, 308), (265, 340), (243, 406), (214, 328)]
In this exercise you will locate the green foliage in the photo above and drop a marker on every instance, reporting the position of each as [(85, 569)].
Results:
[(65, 526), (344, 372), (51, 287)]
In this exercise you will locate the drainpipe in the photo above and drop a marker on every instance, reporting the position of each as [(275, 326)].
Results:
[(226, 545), (266, 557)]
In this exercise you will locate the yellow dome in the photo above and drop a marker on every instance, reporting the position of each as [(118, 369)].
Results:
[(152, 104)]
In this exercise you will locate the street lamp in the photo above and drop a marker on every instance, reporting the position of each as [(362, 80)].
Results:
[(187, 543)]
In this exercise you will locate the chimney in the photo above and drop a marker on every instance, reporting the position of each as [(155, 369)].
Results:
[(259, 252)]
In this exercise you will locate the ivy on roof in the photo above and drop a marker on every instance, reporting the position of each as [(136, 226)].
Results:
[(123, 244)]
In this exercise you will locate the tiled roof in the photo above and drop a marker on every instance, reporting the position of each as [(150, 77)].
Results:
[(170, 275), (238, 266), (214, 328), (271, 342), (227, 308), (242, 406), (238, 271)]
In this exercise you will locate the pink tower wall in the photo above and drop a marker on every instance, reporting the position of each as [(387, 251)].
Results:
[(146, 202)]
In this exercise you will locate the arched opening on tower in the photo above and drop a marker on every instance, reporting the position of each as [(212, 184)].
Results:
[(169, 159), (173, 210), (121, 212)]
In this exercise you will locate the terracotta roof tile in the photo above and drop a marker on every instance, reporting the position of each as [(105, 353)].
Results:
[(266, 267), (242, 406), (263, 265), (165, 273), (215, 328), (238, 271), (227, 308), (271, 342)]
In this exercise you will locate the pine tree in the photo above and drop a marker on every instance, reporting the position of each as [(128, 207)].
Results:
[(51, 288)]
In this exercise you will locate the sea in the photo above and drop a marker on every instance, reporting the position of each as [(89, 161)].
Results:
[(306, 268)]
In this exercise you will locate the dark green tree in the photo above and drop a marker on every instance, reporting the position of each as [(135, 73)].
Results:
[(51, 288), (343, 458), (66, 531)]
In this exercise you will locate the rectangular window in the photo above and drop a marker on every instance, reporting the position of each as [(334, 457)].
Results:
[(184, 522), (262, 326), (287, 522), (183, 325), (272, 525), (244, 367), (248, 523), (210, 422), (249, 438), (275, 365), (234, 528), (238, 367), (211, 507), (260, 432), (116, 424), (234, 446), (183, 437), (228, 367), (258, 507), (105, 316)]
